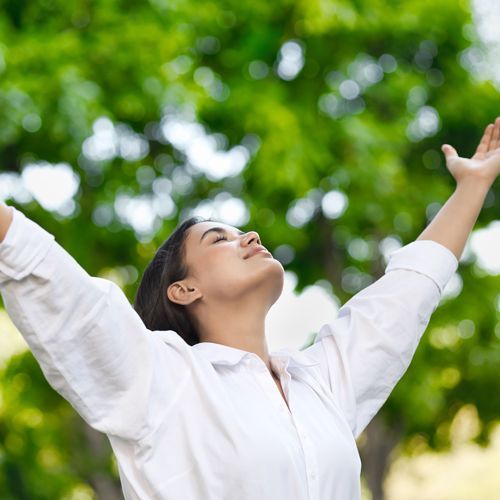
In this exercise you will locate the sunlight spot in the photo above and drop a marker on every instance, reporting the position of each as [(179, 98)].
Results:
[(178, 66), (389, 245), (417, 97), (290, 60), (32, 122), (349, 89), (485, 244), (300, 212), (453, 287), (360, 249), (425, 124), (12, 186), (480, 59), (203, 150), (334, 204), (53, 186), (258, 70), (284, 253), (224, 208), (466, 328), (109, 141), (388, 63), (204, 76)]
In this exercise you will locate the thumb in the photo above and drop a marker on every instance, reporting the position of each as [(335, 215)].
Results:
[(449, 151)]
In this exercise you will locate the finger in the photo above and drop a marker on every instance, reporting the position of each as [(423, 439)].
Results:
[(484, 145), (449, 151), (495, 136)]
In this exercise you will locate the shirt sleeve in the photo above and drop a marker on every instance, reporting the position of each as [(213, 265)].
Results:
[(366, 350), (92, 346)]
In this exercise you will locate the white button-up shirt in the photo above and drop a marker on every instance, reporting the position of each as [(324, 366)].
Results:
[(207, 422)]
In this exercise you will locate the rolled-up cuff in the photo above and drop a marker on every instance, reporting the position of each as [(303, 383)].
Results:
[(426, 257), (24, 246)]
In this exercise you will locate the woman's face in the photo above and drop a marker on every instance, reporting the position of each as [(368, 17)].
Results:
[(227, 264)]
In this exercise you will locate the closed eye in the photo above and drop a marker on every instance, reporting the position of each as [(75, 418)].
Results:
[(220, 238)]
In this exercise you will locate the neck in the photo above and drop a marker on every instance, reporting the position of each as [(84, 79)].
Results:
[(240, 325)]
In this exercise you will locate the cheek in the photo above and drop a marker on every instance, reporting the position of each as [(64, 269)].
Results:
[(226, 267), (221, 266), (223, 271)]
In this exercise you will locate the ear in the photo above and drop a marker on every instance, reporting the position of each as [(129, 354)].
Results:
[(183, 292)]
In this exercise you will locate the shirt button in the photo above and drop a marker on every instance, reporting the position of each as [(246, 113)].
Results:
[(313, 475)]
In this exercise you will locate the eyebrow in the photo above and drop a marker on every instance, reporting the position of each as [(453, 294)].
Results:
[(217, 230)]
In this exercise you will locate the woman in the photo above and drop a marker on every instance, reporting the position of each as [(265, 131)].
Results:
[(194, 405)]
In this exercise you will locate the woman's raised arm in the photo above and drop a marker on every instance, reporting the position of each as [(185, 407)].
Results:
[(92, 346), (365, 351)]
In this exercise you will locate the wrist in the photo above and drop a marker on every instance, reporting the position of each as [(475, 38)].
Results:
[(474, 186)]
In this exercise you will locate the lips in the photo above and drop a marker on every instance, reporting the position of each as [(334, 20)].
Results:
[(255, 250)]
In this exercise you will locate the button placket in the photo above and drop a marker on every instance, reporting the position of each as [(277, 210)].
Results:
[(310, 463)]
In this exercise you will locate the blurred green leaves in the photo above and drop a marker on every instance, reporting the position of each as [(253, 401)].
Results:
[(342, 107)]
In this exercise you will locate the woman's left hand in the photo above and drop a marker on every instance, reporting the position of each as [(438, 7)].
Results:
[(484, 166)]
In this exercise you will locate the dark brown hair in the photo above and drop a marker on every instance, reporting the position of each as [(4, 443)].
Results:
[(151, 300)]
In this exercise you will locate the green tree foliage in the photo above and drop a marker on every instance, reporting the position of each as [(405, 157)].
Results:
[(351, 97)]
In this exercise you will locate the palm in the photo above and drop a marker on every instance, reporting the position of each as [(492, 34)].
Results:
[(485, 164)]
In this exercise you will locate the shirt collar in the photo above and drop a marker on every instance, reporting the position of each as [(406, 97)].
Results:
[(220, 354)]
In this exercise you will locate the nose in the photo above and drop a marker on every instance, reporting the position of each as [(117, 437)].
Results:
[(251, 237)]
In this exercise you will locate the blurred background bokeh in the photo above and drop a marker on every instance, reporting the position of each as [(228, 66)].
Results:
[(317, 123)]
